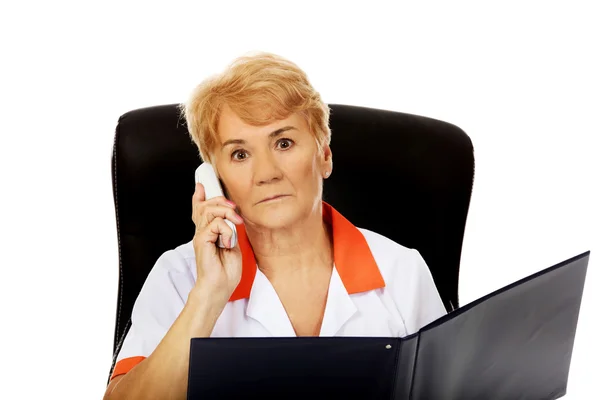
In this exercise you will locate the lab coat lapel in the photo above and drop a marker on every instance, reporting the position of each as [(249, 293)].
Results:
[(265, 307), (339, 307)]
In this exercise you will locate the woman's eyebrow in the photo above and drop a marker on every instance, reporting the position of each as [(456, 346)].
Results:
[(280, 131), (271, 135)]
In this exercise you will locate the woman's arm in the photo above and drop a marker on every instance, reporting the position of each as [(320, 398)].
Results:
[(164, 374)]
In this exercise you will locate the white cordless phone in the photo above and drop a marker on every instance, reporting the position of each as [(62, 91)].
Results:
[(205, 174)]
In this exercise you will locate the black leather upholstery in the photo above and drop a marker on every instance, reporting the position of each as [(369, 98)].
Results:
[(404, 176)]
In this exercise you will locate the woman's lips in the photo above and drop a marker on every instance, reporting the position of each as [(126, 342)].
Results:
[(279, 196)]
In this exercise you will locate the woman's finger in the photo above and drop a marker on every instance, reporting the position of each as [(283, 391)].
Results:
[(198, 193), (210, 212), (222, 201), (211, 232), (199, 205)]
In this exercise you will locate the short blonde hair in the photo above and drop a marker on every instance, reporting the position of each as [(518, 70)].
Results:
[(259, 88)]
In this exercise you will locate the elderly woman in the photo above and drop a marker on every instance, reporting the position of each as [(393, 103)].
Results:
[(299, 269)]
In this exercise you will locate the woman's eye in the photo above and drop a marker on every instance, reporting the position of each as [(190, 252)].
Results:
[(284, 143), (237, 155)]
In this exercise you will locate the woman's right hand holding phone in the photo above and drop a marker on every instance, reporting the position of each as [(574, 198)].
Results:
[(219, 270)]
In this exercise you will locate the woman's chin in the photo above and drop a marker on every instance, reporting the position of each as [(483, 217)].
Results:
[(276, 216)]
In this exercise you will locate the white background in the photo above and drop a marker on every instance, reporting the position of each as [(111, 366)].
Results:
[(521, 78)]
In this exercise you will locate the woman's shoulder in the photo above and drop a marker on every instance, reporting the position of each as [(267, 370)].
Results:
[(184, 251), (383, 246), (392, 258), (177, 264), (408, 281)]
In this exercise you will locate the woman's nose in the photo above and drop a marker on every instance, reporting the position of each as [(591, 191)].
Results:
[(266, 169)]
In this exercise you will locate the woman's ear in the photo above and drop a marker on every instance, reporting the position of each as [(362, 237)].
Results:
[(327, 155), (327, 161)]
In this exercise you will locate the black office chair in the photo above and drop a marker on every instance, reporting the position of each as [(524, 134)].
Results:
[(404, 176)]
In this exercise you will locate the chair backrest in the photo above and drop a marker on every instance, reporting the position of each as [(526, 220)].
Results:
[(404, 176)]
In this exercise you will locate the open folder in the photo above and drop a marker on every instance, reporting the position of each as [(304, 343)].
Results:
[(515, 343)]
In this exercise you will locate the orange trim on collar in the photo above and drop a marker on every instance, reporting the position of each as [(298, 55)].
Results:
[(242, 291), (352, 256)]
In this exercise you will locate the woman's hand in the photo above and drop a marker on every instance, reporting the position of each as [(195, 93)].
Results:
[(219, 270)]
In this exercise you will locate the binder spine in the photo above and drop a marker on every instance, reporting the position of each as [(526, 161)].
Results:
[(405, 368)]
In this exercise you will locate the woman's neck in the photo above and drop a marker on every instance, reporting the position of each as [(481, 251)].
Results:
[(292, 250)]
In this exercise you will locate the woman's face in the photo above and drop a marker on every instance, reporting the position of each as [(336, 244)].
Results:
[(273, 173)]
